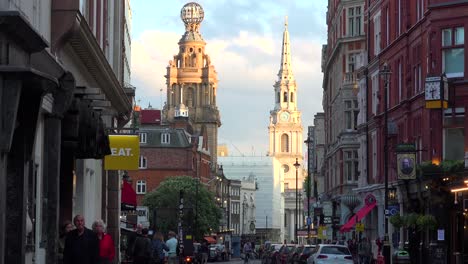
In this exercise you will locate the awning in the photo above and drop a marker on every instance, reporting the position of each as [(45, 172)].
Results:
[(128, 200), (210, 240), (359, 215)]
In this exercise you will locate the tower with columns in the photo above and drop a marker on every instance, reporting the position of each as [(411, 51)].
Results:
[(285, 133), (192, 81)]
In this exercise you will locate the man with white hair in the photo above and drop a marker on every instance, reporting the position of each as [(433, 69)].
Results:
[(81, 244)]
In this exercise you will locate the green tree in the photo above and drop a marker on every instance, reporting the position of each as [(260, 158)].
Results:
[(165, 200)]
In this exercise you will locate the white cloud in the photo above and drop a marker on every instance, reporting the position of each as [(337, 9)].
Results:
[(247, 64)]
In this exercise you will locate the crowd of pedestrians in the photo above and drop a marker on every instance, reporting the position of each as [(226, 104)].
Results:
[(80, 245)]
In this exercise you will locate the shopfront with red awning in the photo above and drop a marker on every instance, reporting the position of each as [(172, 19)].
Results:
[(128, 200), (210, 240), (370, 203)]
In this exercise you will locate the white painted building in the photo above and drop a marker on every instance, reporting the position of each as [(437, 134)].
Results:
[(248, 207), (268, 199)]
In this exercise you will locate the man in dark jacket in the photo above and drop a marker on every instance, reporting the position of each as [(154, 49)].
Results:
[(81, 244), (142, 249)]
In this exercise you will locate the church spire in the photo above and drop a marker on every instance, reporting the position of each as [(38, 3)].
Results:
[(285, 67)]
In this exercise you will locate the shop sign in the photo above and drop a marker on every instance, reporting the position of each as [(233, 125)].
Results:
[(406, 166), (125, 153)]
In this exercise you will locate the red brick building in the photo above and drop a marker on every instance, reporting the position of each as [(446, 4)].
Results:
[(415, 39), (167, 152)]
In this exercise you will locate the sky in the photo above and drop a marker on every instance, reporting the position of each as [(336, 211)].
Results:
[(244, 40)]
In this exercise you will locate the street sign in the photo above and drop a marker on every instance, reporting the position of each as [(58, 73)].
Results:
[(309, 220), (336, 220), (387, 212), (360, 227), (393, 210), (327, 220)]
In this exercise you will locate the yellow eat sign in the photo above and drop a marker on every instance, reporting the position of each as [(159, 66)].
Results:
[(125, 153)]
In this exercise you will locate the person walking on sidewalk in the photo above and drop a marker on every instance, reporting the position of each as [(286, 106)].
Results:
[(81, 244), (172, 244)]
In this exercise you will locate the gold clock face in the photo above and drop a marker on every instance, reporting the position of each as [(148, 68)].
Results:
[(284, 116)]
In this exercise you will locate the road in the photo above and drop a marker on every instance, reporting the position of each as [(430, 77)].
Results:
[(237, 261)]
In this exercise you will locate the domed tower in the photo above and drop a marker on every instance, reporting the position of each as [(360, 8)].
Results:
[(192, 80)]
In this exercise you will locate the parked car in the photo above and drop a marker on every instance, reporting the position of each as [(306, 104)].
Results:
[(271, 255), (283, 253), (217, 252), (293, 254), (325, 253), (302, 256)]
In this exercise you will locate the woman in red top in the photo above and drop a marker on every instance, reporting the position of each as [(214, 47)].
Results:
[(106, 244)]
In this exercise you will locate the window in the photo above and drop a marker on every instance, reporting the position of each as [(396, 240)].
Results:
[(351, 162), (165, 138), (292, 97), (400, 80), (354, 21), (141, 187), (375, 92), (142, 137), (351, 62), (142, 164), (351, 114), (284, 143), (454, 134), (419, 9), (453, 51), (374, 154), (285, 97), (377, 34)]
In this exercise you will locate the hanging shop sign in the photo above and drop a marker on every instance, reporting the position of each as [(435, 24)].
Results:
[(125, 153), (436, 92), (406, 166)]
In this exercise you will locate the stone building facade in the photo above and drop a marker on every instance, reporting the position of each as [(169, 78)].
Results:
[(62, 88), (342, 55)]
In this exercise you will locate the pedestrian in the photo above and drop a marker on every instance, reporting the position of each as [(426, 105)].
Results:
[(158, 247), (66, 227), (106, 244), (142, 248), (204, 252), (81, 244), (172, 244), (247, 251)]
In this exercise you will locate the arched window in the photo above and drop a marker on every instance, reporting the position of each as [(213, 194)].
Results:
[(285, 97), (172, 95), (284, 143), (292, 97), (141, 187)]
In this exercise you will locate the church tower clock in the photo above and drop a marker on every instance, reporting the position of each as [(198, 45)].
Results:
[(285, 133), (285, 128)]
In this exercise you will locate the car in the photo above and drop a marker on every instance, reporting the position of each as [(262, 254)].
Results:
[(282, 256), (216, 252), (303, 255), (294, 253), (272, 253), (328, 253)]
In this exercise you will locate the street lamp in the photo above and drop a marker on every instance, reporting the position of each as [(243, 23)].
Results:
[(308, 141), (385, 72), (296, 165)]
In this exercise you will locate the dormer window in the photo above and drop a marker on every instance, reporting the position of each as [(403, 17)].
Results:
[(142, 137), (165, 138)]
